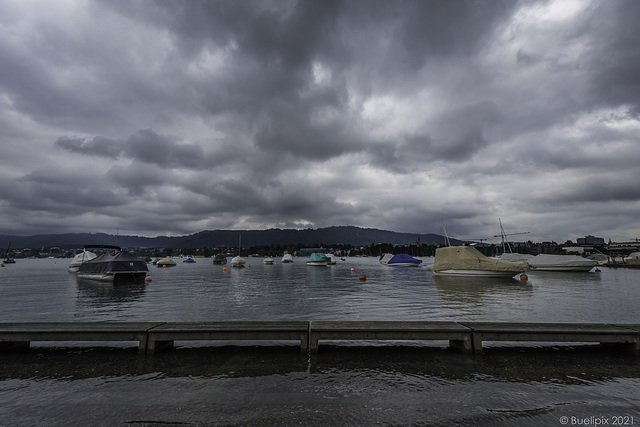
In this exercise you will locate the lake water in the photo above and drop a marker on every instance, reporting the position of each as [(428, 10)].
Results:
[(273, 384)]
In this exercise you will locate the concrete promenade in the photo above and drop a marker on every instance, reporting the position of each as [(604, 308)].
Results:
[(467, 337)]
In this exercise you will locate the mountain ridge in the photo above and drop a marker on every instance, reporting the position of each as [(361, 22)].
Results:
[(334, 235)]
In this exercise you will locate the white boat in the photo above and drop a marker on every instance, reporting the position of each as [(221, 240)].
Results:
[(268, 261), (238, 261), (467, 261), (165, 262), (113, 266), (333, 260), (318, 259), (287, 258), (399, 260), (633, 259), (548, 262)]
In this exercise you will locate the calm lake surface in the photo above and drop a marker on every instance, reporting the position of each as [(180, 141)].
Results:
[(272, 384)]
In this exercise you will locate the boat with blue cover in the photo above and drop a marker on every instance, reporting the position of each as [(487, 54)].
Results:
[(399, 260), (318, 259)]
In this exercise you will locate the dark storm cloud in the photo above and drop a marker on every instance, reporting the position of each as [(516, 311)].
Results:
[(615, 58), (96, 146), (175, 116), (62, 192), (144, 146), (455, 136), (437, 31)]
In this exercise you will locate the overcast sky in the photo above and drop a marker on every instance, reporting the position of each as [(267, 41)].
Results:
[(172, 117)]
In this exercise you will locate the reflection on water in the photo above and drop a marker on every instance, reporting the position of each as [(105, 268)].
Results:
[(469, 295), (92, 292), (340, 386)]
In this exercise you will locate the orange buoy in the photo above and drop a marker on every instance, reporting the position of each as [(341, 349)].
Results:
[(363, 278), (524, 277), (224, 269), (353, 269)]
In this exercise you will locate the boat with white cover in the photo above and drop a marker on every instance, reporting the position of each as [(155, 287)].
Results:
[(549, 262), (78, 259), (238, 261)]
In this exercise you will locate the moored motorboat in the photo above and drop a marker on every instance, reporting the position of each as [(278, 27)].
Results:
[(549, 262), (268, 261), (399, 260), (220, 259), (115, 265), (189, 260), (287, 258), (318, 259), (165, 262), (466, 261)]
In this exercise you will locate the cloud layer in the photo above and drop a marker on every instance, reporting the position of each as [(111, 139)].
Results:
[(164, 118)]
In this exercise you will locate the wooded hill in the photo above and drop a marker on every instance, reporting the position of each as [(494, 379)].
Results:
[(346, 235)]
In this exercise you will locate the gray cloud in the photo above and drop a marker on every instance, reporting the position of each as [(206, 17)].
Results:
[(160, 117)]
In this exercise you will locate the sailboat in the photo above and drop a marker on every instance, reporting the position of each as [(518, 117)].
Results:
[(7, 259), (238, 261)]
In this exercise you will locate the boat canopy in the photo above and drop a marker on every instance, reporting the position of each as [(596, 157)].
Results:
[(81, 257), (550, 260), (120, 262), (469, 258), (391, 259), (318, 257)]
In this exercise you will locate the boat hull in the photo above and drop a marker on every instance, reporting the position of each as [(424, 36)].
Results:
[(403, 264), (475, 273), (579, 268), (135, 277), (318, 263)]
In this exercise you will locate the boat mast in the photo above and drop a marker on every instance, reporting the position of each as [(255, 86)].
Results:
[(446, 236), (504, 235), (504, 238)]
